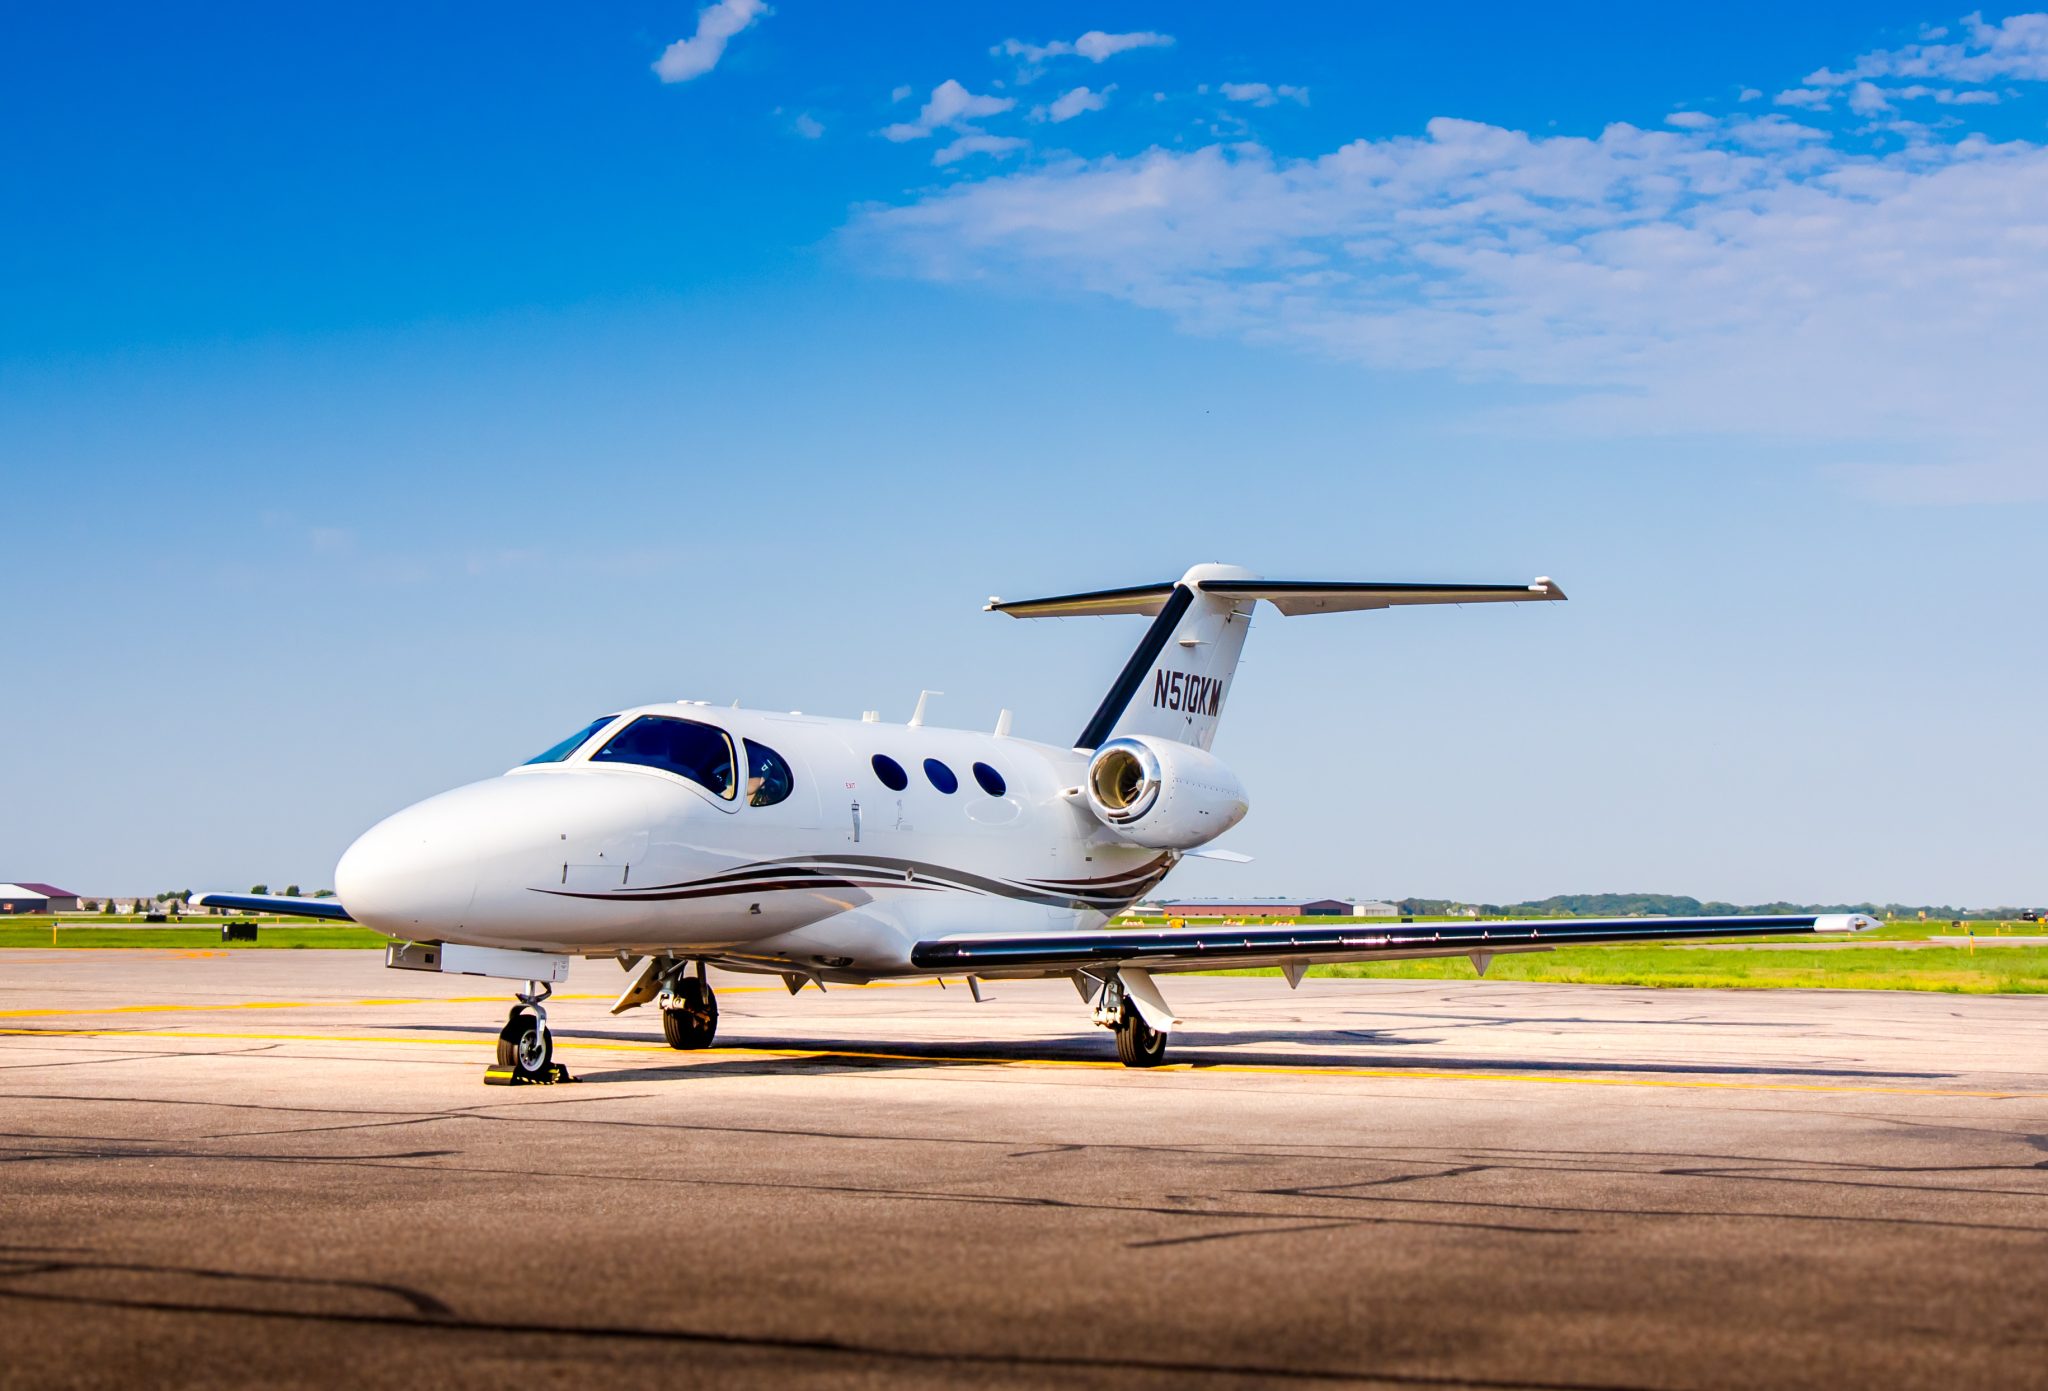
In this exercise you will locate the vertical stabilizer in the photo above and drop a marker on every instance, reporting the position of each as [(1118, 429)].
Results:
[(1175, 684)]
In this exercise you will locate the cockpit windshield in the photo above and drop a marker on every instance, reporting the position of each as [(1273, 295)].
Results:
[(573, 742), (700, 752)]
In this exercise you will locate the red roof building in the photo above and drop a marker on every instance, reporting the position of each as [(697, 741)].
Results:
[(36, 898)]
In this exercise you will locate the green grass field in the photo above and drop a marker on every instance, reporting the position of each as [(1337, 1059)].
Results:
[(90, 933), (1989, 971)]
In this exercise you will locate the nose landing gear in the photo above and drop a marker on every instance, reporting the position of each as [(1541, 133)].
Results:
[(689, 1010), (526, 1048)]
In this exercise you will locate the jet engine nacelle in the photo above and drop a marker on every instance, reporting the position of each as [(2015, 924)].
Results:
[(1162, 794)]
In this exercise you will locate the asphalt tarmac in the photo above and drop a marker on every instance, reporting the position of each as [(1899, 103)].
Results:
[(282, 1168)]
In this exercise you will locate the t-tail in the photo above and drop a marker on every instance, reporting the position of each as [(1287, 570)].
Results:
[(1177, 681)]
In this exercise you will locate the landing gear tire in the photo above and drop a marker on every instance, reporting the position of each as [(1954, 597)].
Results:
[(1138, 1044), (526, 1046), (689, 1015)]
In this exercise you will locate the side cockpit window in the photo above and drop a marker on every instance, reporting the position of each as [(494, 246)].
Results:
[(573, 742), (768, 777), (700, 752)]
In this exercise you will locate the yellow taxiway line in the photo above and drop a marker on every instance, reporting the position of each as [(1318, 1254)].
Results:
[(1253, 1069), (189, 1008)]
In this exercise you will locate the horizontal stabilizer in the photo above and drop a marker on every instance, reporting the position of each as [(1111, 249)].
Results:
[(1174, 684), (275, 903), (1296, 597), (1144, 599), (1291, 597)]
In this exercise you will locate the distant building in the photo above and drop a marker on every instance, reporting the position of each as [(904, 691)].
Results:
[(1253, 907), (1375, 910), (36, 898)]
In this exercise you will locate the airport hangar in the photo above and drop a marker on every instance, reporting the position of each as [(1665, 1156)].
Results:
[(36, 898)]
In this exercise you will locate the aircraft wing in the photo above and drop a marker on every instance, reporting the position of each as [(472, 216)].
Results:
[(275, 903), (1207, 948)]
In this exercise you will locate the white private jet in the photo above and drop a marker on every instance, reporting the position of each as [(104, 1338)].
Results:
[(683, 836)]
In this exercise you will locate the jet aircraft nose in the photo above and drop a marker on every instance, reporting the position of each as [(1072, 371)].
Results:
[(414, 873), (466, 865)]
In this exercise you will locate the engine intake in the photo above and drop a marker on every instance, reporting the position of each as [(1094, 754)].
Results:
[(1162, 794)]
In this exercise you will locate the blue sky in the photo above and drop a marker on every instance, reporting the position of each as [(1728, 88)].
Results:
[(385, 392)]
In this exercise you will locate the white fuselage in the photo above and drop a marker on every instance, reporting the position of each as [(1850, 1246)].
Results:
[(838, 878)]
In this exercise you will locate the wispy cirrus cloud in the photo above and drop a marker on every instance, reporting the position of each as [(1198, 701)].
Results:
[(1880, 293), (716, 25)]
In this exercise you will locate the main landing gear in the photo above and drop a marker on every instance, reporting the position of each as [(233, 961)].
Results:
[(1138, 1044), (526, 1048), (689, 1011)]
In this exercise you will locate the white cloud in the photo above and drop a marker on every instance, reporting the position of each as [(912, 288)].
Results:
[(1942, 96), (1772, 132), (2017, 49), (807, 125), (1749, 94), (901, 93), (1812, 98), (1068, 105), (977, 143), (950, 105), (1264, 94), (1689, 120), (699, 54), (1094, 45), (1757, 277), (1946, 73)]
